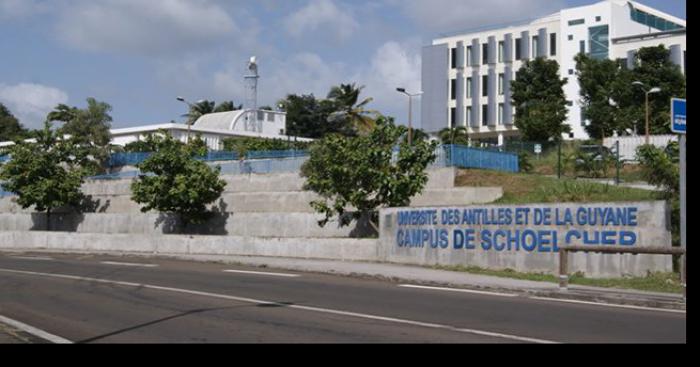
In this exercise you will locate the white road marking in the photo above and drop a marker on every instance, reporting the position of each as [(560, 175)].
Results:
[(34, 331), (128, 264), (262, 273), (459, 290), (37, 258), (607, 305), (297, 307)]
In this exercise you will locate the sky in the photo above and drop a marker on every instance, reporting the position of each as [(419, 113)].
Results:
[(139, 55)]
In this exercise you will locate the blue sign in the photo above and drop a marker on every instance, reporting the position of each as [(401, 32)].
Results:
[(678, 115)]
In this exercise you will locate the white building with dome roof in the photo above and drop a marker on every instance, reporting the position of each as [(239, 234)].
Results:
[(215, 127)]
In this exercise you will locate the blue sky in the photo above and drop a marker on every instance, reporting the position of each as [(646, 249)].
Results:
[(138, 55)]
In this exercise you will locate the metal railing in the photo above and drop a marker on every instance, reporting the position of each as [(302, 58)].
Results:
[(565, 250)]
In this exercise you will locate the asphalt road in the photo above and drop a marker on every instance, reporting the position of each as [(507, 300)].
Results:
[(97, 299)]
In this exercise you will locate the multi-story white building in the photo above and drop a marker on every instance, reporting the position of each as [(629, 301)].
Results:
[(467, 76)]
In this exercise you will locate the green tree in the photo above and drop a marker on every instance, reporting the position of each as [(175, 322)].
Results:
[(44, 174), (351, 110), (10, 128), (365, 173), (175, 182), (244, 145), (600, 82), (309, 117), (89, 131), (661, 167), (454, 136), (541, 105), (654, 68)]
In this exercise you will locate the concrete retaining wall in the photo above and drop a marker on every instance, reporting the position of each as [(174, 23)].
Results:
[(283, 225), (440, 240), (307, 248)]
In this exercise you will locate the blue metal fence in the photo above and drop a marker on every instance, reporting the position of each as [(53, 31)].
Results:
[(276, 154), (4, 193), (132, 159), (465, 157)]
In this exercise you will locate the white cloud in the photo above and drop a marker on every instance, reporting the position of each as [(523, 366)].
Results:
[(455, 15), (11, 9), (31, 102), (393, 65), (320, 16), (150, 27)]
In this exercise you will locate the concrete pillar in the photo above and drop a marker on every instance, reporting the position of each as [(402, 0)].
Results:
[(460, 118), (507, 104), (493, 100), (525, 52), (493, 50), (476, 98), (508, 48), (543, 42), (476, 52), (677, 55), (631, 58)]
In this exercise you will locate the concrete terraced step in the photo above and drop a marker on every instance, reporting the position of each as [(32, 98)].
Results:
[(283, 225)]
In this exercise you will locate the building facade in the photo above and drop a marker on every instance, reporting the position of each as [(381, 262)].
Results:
[(467, 77)]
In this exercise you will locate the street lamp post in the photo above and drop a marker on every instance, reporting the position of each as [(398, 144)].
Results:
[(189, 124), (410, 112), (647, 92)]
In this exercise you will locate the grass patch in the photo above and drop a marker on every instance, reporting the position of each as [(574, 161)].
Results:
[(524, 188), (654, 282)]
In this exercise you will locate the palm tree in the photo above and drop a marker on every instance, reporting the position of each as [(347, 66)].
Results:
[(418, 135), (206, 107), (346, 96), (454, 136), (198, 110), (227, 106)]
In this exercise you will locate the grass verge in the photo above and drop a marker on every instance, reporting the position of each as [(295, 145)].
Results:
[(524, 188), (654, 282)]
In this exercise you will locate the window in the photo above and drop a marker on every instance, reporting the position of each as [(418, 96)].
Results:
[(571, 71), (653, 21), (501, 110), (501, 50), (571, 37), (518, 49), (599, 38), (469, 55), (582, 47), (453, 89), (469, 116), (469, 87), (501, 79), (453, 117), (485, 54), (583, 117), (598, 19), (577, 22), (453, 57), (485, 115), (485, 86), (552, 44), (535, 46)]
